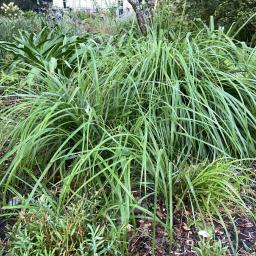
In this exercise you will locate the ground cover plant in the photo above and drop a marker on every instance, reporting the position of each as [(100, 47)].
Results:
[(127, 144)]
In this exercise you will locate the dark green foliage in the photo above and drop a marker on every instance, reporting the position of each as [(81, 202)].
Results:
[(225, 12), (238, 12)]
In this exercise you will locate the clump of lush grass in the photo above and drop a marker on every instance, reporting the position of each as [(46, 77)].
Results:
[(213, 186), (194, 95), (128, 118), (216, 190)]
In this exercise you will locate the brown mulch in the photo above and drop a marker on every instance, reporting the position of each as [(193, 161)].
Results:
[(141, 243), (3, 150), (3, 229), (186, 237)]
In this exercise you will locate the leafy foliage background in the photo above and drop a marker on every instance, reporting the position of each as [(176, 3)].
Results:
[(225, 12)]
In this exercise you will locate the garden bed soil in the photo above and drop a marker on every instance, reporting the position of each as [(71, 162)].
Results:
[(186, 238)]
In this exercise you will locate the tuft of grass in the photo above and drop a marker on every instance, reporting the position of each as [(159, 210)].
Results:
[(215, 190), (213, 185), (195, 95)]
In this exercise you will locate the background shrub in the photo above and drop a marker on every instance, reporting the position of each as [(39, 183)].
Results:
[(225, 12)]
